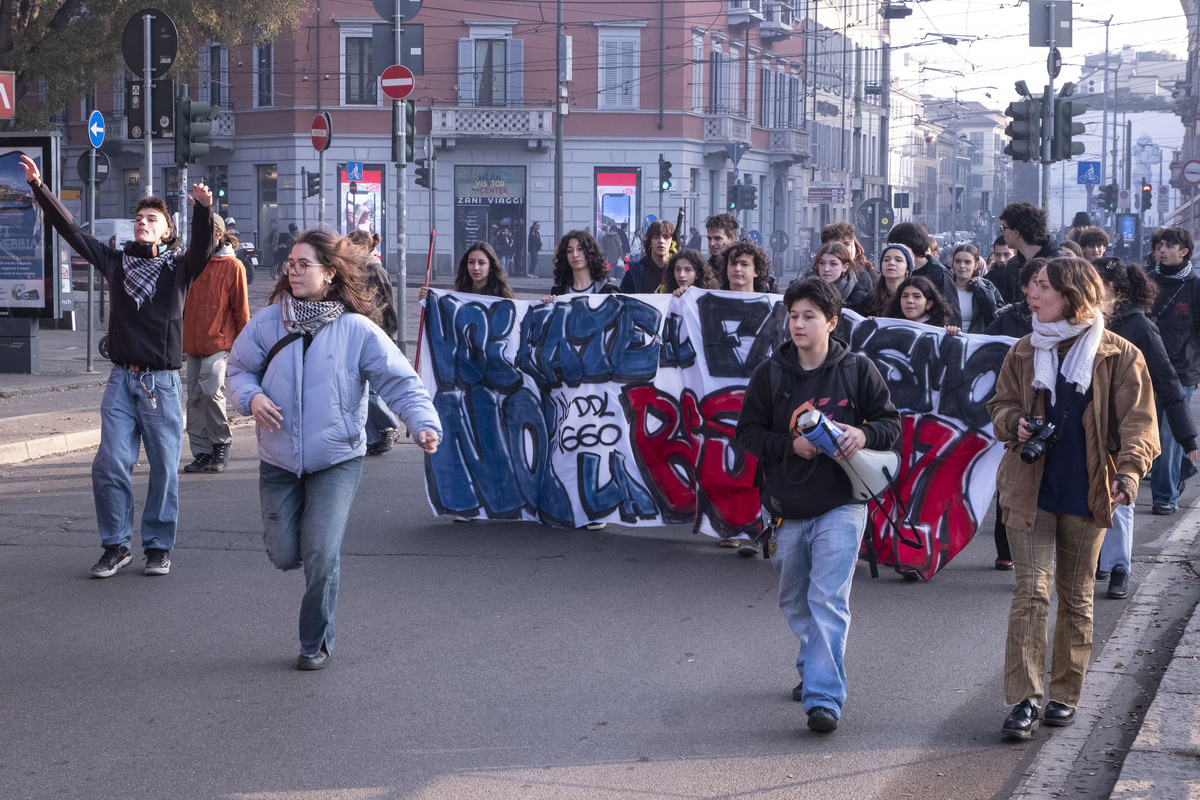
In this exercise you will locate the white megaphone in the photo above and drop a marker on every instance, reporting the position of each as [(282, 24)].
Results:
[(870, 471)]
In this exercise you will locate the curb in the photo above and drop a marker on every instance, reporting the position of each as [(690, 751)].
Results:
[(53, 445)]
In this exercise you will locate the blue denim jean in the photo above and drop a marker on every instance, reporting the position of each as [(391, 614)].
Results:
[(1168, 467), (304, 520), (1118, 541), (379, 418), (815, 560), (130, 420)]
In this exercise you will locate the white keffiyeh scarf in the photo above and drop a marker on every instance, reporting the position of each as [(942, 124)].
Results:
[(309, 316), (141, 274), (1077, 366)]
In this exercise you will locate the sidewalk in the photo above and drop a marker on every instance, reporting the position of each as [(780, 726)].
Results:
[(57, 411)]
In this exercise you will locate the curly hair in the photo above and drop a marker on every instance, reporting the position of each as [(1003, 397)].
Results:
[(762, 264), (725, 222), (838, 251), (497, 280), (1131, 286), (1091, 236), (837, 231), (939, 310), (349, 280), (1027, 220), (1178, 236), (1084, 294), (705, 279), (597, 266)]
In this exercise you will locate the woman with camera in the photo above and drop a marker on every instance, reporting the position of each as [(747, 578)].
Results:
[(1074, 407)]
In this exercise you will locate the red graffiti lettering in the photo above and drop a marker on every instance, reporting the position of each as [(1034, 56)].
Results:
[(667, 454), (936, 461), (725, 474)]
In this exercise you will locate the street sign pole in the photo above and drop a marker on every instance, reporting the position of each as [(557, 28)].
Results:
[(91, 297), (321, 194), (401, 191), (431, 160), (148, 103)]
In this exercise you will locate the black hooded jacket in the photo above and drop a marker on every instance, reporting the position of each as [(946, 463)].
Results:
[(791, 486), (1134, 326), (1177, 314)]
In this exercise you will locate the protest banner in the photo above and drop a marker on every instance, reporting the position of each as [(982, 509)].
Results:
[(622, 408)]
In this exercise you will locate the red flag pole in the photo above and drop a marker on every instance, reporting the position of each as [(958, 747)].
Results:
[(421, 318)]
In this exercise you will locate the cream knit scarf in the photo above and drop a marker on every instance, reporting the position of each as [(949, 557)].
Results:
[(1077, 366)]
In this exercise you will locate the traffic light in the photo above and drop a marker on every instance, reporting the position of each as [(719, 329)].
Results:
[(193, 124), (1147, 195), (313, 183), (1108, 197), (221, 191), (1064, 147), (732, 195), (664, 173), (424, 173), (410, 129), (1025, 130), (749, 196)]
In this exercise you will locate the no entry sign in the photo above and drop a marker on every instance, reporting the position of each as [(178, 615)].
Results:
[(8, 95), (397, 81), (322, 131)]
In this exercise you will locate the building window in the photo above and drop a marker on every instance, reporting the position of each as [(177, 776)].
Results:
[(620, 69), (491, 72), (118, 95), (361, 87), (719, 83), (264, 76), (213, 74)]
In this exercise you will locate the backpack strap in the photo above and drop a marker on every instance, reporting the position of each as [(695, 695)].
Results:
[(284, 342)]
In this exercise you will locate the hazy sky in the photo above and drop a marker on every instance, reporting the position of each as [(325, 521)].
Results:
[(1002, 55)]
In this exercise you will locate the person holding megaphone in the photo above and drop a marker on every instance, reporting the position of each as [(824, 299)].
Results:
[(816, 520)]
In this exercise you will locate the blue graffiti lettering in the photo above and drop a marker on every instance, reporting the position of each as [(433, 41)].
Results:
[(621, 492)]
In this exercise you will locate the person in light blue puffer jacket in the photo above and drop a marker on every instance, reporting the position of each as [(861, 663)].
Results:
[(301, 367)]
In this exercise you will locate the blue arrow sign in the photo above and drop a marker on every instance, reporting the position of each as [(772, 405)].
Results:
[(1089, 172), (755, 237), (96, 129), (354, 170)]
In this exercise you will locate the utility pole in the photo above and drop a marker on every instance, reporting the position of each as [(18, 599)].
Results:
[(1048, 106), (400, 137), (559, 102)]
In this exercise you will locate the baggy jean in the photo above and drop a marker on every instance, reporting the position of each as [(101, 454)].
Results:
[(815, 560), (1118, 541), (1168, 467), (130, 420), (304, 521), (1062, 550), (207, 418)]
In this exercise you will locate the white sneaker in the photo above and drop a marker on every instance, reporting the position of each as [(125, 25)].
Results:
[(596, 526), (460, 518)]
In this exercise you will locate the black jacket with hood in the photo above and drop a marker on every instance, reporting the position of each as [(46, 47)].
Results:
[(797, 488), (1132, 324), (1177, 314)]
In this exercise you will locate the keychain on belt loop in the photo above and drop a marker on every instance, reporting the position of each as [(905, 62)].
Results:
[(149, 389)]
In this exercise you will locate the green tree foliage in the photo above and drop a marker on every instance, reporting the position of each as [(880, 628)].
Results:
[(72, 45)]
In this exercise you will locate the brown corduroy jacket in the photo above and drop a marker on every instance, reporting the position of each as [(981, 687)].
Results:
[(1120, 428)]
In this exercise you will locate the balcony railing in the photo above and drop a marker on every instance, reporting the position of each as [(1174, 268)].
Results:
[(722, 127), (745, 12), (778, 21), (464, 122), (790, 144)]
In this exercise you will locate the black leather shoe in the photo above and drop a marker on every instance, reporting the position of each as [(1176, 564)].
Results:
[(1004, 565), (798, 692), (822, 720), (1022, 722), (309, 663), (1118, 587), (1059, 715)]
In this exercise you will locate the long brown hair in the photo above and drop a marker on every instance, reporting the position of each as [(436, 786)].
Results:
[(497, 280), (1083, 292), (705, 279), (348, 262)]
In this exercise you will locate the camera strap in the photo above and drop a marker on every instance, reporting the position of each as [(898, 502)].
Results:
[(1066, 408)]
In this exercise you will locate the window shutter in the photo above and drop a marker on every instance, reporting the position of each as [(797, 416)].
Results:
[(628, 75), (698, 74), (514, 80), (751, 79), (202, 69), (466, 72)]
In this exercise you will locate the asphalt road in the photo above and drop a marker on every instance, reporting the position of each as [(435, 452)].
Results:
[(481, 660)]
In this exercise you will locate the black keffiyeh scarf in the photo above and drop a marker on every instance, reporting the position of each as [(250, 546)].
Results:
[(141, 274), (309, 316)]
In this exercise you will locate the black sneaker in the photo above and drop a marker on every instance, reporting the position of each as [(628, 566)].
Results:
[(822, 720), (158, 562), (1102, 574), (218, 459), (200, 464), (115, 556), (387, 438)]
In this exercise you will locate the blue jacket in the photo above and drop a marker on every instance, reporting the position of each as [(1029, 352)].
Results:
[(323, 393)]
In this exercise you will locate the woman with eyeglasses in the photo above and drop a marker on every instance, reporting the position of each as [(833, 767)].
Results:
[(301, 368)]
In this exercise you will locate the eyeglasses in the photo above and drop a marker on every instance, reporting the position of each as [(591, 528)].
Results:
[(298, 267), (1004, 227)]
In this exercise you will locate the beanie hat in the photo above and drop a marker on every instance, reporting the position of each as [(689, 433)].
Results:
[(908, 255)]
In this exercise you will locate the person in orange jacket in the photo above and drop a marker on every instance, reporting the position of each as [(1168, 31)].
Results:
[(216, 311)]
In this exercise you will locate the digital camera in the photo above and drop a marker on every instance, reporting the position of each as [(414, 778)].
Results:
[(1042, 436)]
